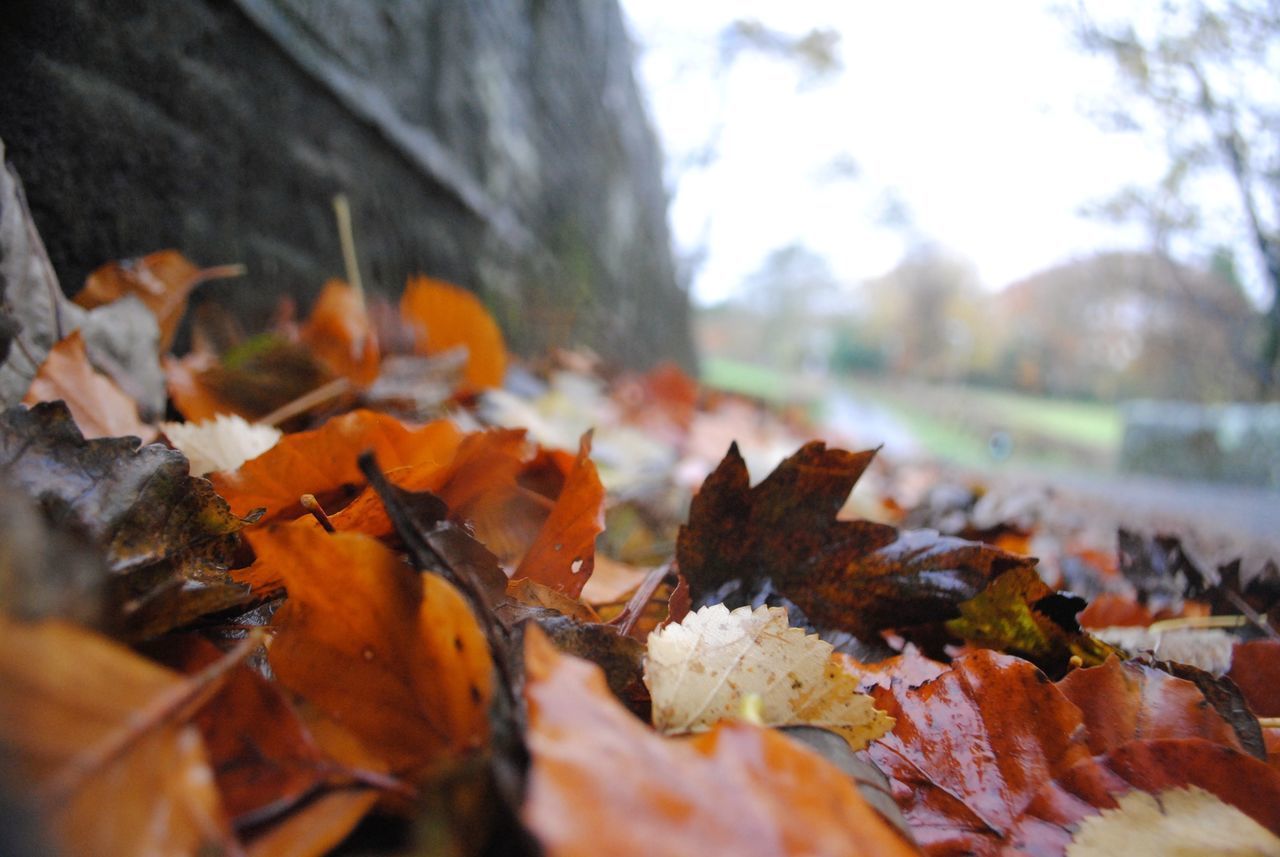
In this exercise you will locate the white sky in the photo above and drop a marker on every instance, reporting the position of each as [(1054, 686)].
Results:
[(971, 113)]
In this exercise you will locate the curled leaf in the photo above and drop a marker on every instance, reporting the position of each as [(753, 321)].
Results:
[(447, 316)]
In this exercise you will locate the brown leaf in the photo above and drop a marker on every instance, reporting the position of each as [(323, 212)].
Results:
[(1255, 668), (322, 462), (972, 749), (162, 281), (254, 380), (340, 333), (93, 733), (1124, 702), (394, 655), (316, 828), (602, 783), (536, 595), (447, 316), (563, 554), (99, 407), (857, 576)]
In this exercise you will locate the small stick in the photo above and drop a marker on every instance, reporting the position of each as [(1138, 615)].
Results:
[(312, 505), (342, 210), (1166, 625), (307, 401)]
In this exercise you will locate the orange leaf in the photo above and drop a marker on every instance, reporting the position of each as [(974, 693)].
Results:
[(93, 730), (1125, 702), (162, 281), (317, 828), (340, 333), (323, 462), (564, 552), (193, 399), (603, 783), (394, 655), (100, 408), (447, 316)]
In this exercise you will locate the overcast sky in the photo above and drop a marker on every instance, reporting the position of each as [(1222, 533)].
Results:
[(971, 115)]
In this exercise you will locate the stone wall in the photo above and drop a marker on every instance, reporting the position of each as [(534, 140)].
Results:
[(501, 144), (1217, 443)]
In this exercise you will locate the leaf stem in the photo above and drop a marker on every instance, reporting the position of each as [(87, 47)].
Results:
[(342, 211)]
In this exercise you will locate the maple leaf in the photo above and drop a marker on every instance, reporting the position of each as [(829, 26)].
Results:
[(701, 670), (167, 537), (1017, 614), (601, 782), (447, 316), (95, 734), (99, 407), (857, 576)]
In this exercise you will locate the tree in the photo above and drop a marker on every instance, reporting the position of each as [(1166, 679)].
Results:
[(1202, 73)]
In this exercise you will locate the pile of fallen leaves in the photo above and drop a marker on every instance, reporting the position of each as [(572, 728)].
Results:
[(382, 590)]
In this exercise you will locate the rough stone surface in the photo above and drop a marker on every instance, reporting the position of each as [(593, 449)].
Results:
[(1219, 443), (501, 144)]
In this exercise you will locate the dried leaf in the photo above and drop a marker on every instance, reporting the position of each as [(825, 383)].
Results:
[(1255, 668), (254, 380), (99, 407), (536, 595), (93, 732), (1184, 822), (563, 554), (700, 670), (317, 828), (447, 316), (223, 443), (603, 783), (857, 576), (394, 655), (341, 335), (1124, 702), (322, 462), (167, 536)]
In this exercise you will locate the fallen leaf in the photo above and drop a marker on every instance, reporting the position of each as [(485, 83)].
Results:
[(317, 828), (1110, 610), (162, 281), (322, 462), (1124, 702), (972, 748), (393, 654), (602, 783), (447, 316), (1183, 822), (1208, 649), (536, 595), (1007, 616), (563, 554), (701, 670), (223, 443), (856, 576), (168, 538), (254, 380), (341, 335), (1255, 669), (910, 668), (611, 581), (94, 734), (99, 407)]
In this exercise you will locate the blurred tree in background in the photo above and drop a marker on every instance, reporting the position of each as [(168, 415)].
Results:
[(1203, 74)]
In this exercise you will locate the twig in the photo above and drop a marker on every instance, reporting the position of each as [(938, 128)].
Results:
[(1164, 626), (342, 210), (312, 505), (307, 401)]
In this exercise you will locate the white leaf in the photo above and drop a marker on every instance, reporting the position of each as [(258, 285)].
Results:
[(700, 671), (224, 443)]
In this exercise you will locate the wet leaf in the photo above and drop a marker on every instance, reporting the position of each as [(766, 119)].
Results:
[(701, 670), (99, 407), (601, 782), (857, 576), (1006, 616), (910, 668), (973, 747), (447, 316), (1255, 669), (393, 654), (341, 335), (1124, 702), (168, 538), (322, 462), (1184, 822), (563, 554), (94, 734)]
